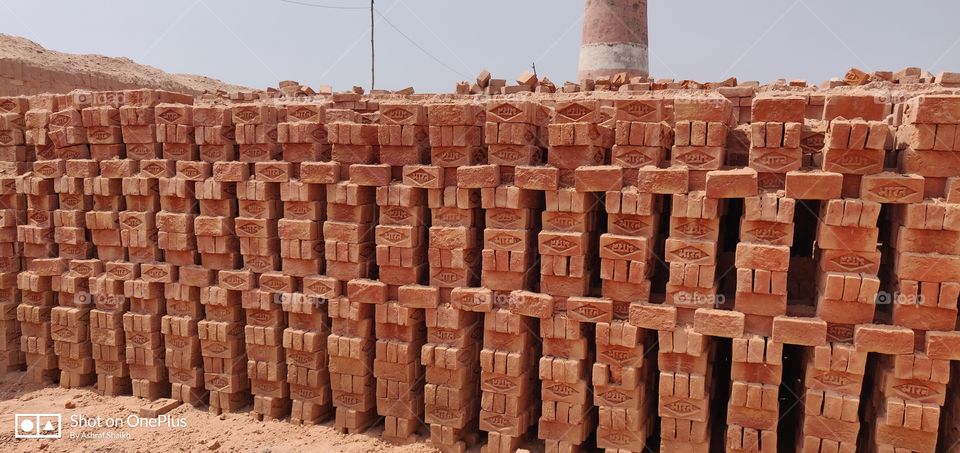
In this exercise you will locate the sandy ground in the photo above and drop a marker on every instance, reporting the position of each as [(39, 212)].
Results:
[(204, 432)]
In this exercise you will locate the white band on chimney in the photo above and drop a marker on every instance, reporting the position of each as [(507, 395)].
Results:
[(614, 56)]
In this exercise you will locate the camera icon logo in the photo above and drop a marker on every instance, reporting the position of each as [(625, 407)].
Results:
[(37, 426)]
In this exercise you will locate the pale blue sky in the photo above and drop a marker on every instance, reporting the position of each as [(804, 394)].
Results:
[(257, 43)]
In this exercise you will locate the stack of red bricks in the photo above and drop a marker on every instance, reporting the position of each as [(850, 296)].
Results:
[(848, 261), (221, 331), (260, 208), (623, 376), (510, 352), (762, 260), (19, 141), (104, 185), (925, 274), (401, 239), (303, 139), (179, 273), (455, 322), (579, 143), (350, 250), (142, 278), (498, 269), (686, 354), (40, 250), (71, 319)]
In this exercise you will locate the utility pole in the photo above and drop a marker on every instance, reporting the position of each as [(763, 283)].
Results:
[(373, 73)]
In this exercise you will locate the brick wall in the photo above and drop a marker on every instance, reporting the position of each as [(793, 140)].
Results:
[(682, 268)]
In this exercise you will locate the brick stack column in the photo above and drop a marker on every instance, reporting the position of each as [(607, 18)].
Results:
[(350, 253), (102, 197), (305, 292), (912, 382), (256, 227), (833, 381), (305, 341), (454, 327), (623, 378), (221, 331), (685, 355), (18, 145), (848, 261), (510, 348), (928, 141), (189, 241), (40, 249), (182, 276), (106, 331), (643, 134), (762, 259), (847, 290), (142, 279), (36, 122), (103, 223), (71, 319), (401, 238), (256, 177), (580, 145), (775, 136), (924, 281)]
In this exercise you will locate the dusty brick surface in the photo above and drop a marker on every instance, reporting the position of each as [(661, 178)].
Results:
[(450, 266)]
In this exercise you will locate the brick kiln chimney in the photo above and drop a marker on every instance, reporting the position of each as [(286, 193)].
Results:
[(614, 39)]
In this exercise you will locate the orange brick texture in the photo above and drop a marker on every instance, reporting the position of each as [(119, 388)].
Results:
[(694, 270)]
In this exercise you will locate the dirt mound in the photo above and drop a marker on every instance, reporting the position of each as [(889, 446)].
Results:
[(28, 68)]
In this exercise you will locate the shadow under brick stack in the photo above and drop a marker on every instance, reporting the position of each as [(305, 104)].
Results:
[(350, 251), (509, 260), (221, 330), (686, 354), (142, 279), (579, 146), (18, 143), (303, 138), (454, 326), (848, 261), (401, 238), (181, 275), (257, 229), (623, 378), (40, 249), (925, 276)]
